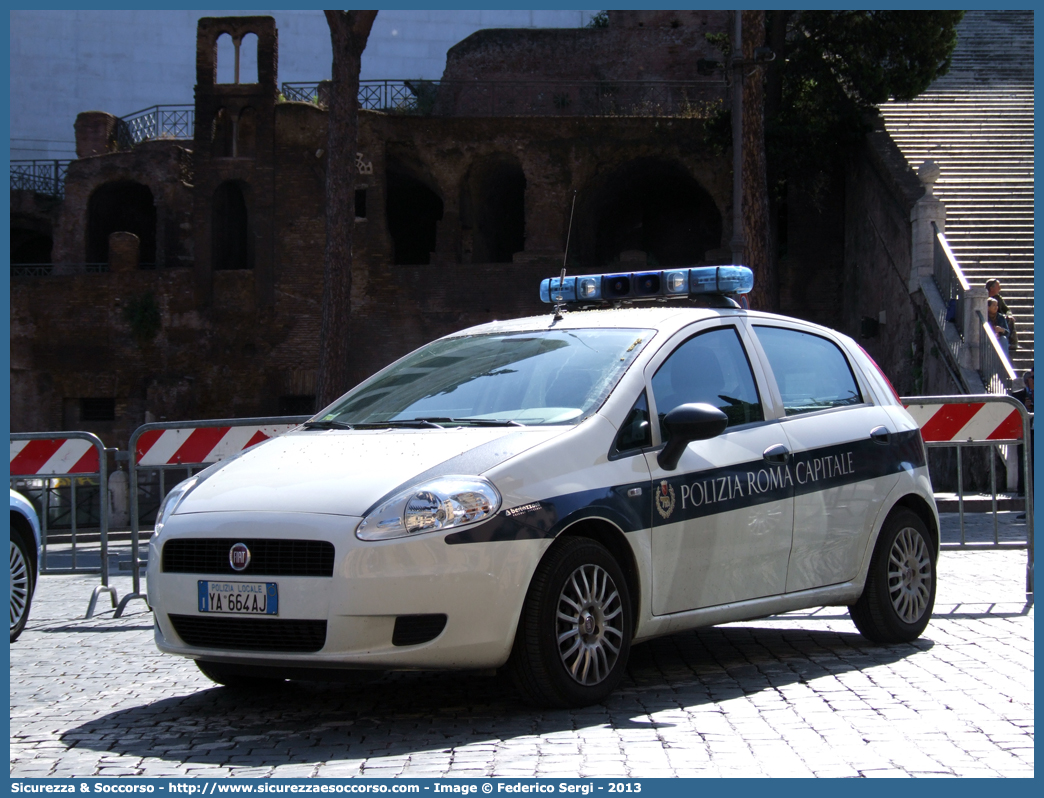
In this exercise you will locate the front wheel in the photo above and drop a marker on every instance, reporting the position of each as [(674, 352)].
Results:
[(574, 635), (899, 595), (21, 584)]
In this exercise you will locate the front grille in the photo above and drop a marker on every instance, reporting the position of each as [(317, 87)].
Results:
[(250, 634), (412, 630), (267, 557)]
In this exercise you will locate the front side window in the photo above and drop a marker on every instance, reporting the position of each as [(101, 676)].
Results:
[(713, 368), (542, 377), (635, 433), (812, 373)]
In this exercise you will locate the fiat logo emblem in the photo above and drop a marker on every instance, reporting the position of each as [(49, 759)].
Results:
[(239, 557)]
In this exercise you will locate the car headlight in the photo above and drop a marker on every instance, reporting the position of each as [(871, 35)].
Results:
[(444, 503), (171, 501)]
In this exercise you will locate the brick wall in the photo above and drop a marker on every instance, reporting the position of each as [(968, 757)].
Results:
[(643, 46)]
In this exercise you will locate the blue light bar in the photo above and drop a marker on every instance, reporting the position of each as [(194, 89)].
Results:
[(648, 284), (556, 290), (720, 280)]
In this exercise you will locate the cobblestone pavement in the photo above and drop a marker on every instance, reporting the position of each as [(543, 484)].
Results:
[(800, 694)]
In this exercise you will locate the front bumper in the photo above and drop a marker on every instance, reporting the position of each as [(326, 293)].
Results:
[(479, 587)]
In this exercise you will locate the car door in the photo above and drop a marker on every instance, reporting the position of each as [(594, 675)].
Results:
[(845, 457), (722, 520)]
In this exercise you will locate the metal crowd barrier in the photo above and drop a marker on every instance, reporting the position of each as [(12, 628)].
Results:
[(45, 456), (980, 420), (183, 448)]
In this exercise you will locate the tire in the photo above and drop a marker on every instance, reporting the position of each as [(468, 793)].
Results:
[(235, 677), (23, 582), (899, 595), (574, 634)]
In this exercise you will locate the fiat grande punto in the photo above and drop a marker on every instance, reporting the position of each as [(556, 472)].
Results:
[(541, 494)]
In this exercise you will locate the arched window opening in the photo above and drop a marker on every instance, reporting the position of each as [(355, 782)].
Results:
[(248, 59), (494, 207), (414, 211), (653, 206), (246, 134), (30, 246), (224, 134), (226, 59), (121, 207), (230, 229)]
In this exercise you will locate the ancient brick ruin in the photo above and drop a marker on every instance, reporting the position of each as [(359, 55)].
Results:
[(186, 273)]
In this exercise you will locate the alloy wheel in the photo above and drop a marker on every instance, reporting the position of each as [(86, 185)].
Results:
[(19, 585), (590, 624), (909, 575)]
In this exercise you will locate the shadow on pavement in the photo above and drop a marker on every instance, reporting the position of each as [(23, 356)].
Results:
[(84, 629), (957, 613), (409, 713)]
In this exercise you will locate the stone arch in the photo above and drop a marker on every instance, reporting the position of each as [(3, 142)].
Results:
[(650, 205), (230, 229), (414, 209), (247, 52), (237, 58), (121, 206), (493, 209), (227, 62)]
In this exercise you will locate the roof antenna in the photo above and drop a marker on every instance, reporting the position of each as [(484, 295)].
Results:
[(560, 305)]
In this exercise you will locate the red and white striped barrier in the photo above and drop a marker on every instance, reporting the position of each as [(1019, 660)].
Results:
[(161, 447), (967, 421), (53, 456)]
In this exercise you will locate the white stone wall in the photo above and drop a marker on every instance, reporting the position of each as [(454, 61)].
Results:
[(65, 62)]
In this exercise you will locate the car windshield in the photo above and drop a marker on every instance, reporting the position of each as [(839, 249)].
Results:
[(545, 377)]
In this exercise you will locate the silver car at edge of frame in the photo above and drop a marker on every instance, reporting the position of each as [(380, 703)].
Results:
[(25, 559)]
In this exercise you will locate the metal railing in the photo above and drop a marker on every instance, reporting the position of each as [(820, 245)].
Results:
[(43, 177), (1016, 430), (695, 98), (949, 278), (48, 471), (157, 122), (314, 92), (57, 269), (994, 365)]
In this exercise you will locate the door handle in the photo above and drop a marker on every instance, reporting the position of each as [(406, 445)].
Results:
[(880, 435), (778, 454)]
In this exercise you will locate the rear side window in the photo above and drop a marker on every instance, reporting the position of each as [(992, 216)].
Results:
[(812, 372), (711, 367)]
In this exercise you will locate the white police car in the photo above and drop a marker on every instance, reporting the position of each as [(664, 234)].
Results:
[(543, 493)]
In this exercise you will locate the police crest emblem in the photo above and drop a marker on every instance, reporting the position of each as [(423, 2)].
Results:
[(665, 499)]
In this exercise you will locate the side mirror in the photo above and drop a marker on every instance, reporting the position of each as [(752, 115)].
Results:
[(688, 423)]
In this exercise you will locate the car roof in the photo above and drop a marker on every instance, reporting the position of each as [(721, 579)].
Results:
[(658, 317), (662, 317)]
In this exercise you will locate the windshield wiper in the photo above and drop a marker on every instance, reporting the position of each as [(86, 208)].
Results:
[(437, 422), (487, 422), (408, 423), (326, 425)]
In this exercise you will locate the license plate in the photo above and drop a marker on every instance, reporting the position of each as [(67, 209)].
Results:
[(239, 598)]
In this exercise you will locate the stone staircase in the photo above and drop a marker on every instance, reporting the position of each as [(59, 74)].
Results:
[(976, 122)]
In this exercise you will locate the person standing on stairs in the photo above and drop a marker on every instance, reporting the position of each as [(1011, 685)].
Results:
[(999, 324), (993, 288)]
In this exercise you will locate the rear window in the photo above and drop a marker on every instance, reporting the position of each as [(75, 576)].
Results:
[(812, 372)]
